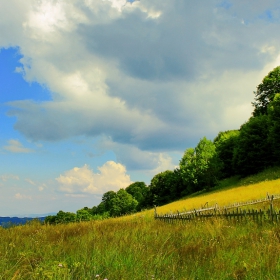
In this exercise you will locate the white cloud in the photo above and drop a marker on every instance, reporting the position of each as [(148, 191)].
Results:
[(111, 176), (164, 163), (16, 147), (7, 177), (30, 182), (152, 76)]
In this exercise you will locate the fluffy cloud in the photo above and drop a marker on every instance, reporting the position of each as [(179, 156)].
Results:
[(152, 75), (111, 176), (16, 147)]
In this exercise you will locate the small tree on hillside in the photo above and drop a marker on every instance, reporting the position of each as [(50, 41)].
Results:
[(122, 203), (200, 167)]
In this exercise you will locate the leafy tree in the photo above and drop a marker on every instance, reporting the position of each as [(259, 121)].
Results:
[(252, 152), (83, 215), (65, 217), (93, 210), (225, 143), (163, 187), (179, 187), (148, 201), (274, 127), (188, 169), (122, 203), (50, 219), (139, 191), (266, 91), (106, 203), (200, 167)]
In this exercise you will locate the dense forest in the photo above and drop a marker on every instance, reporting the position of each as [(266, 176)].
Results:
[(252, 148)]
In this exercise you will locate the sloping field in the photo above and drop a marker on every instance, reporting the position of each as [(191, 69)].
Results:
[(225, 197), (138, 247)]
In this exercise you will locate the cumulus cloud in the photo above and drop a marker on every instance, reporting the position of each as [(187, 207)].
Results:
[(14, 146), (79, 180), (152, 75)]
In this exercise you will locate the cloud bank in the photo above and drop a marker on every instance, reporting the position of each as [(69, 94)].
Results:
[(151, 76)]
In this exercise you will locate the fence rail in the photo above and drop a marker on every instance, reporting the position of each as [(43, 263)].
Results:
[(225, 212)]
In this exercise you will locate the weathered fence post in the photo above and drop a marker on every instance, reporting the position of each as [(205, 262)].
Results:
[(155, 214), (271, 207), (244, 214)]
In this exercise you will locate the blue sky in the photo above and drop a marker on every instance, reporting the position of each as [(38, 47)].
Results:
[(95, 95)]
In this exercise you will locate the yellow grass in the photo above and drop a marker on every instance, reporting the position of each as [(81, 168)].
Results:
[(226, 197)]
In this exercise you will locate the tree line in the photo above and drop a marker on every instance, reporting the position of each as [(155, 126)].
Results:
[(248, 150)]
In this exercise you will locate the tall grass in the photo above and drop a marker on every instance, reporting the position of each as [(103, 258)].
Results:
[(137, 247), (141, 248)]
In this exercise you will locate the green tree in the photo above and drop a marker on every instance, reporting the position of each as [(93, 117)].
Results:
[(106, 203), (274, 128), (122, 203), (83, 215), (252, 152), (65, 217), (225, 143), (266, 91), (164, 187), (139, 191), (200, 167), (50, 219)]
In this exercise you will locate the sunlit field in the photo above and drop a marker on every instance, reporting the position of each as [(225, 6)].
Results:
[(138, 247), (141, 249), (226, 197)]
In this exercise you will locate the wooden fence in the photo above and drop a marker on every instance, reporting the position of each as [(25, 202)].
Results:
[(236, 214)]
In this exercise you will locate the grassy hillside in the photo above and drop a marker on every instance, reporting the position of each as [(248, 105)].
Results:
[(230, 191), (137, 247), (225, 197)]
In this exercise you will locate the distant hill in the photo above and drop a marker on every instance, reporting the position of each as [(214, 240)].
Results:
[(9, 221)]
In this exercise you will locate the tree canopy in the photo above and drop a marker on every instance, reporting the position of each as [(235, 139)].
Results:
[(274, 127), (122, 203), (266, 91), (252, 152), (225, 144), (164, 187), (200, 166)]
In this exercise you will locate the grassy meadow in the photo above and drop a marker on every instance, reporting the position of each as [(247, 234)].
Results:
[(137, 247)]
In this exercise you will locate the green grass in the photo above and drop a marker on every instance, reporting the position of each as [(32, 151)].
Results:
[(141, 249), (137, 247)]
